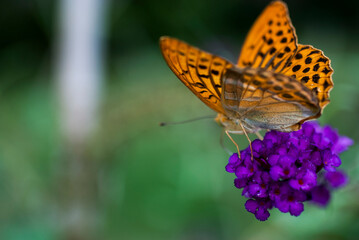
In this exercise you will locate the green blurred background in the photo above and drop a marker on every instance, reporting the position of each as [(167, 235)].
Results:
[(141, 181)]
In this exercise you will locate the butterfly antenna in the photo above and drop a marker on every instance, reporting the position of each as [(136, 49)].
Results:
[(162, 124)]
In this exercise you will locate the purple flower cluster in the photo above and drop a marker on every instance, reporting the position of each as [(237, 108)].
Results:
[(290, 168)]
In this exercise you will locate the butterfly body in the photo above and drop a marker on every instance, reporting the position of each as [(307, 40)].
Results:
[(277, 84)]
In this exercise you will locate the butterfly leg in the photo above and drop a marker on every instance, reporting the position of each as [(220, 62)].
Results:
[(259, 135), (221, 142), (250, 142), (239, 153)]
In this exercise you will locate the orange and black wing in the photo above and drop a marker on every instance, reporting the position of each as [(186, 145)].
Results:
[(200, 71), (271, 41), (312, 68)]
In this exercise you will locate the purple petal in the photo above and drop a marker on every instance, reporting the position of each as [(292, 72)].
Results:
[(303, 143), (309, 128), (275, 172), (240, 182), (305, 183), (330, 161), (233, 162), (273, 159), (288, 172), (320, 195), (286, 160), (257, 177), (254, 189), (316, 158), (273, 136), (336, 179), (342, 145), (282, 150), (320, 141), (257, 146), (262, 214), (234, 159), (268, 144), (331, 134), (251, 205), (300, 196), (275, 191), (296, 208), (310, 180), (243, 172), (265, 177), (294, 183), (293, 152), (231, 168), (282, 205), (307, 164)]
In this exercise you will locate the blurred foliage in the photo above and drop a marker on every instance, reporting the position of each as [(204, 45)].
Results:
[(159, 183)]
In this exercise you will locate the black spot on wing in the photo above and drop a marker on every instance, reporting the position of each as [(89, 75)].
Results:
[(316, 67), (296, 68), (202, 66), (199, 85), (298, 56), (306, 70), (322, 59), (203, 76), (305, 79), (214, 72), (315, 78), (299, 94), (256, 82), (326, 71), (287, 95), (288, 85), (313, 52), (272, 50)]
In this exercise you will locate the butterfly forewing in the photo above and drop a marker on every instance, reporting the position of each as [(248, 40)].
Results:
[(200, 71), (271, 40)]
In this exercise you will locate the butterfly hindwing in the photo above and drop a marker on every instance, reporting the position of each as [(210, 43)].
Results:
[(267, 100), (200, 71), (312, 68)]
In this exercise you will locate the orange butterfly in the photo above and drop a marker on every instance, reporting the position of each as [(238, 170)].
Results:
[(277, 83)]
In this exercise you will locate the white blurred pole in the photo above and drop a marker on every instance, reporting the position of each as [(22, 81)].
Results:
[(79, 74), (79, 66)]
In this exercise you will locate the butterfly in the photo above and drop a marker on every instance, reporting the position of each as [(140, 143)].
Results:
[(277, 84)]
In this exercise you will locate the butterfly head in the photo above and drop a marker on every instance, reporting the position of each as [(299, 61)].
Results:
[(233, 125)]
